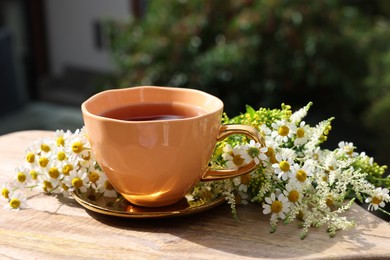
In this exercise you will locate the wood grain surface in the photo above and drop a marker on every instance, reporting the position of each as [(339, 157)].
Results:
[(59, 228)]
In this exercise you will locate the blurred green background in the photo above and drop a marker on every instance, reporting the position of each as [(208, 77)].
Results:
[(264, 53)]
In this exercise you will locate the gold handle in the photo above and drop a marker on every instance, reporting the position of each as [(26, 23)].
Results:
[(225, 131)]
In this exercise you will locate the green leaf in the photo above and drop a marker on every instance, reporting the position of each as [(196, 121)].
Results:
[(250, 110)]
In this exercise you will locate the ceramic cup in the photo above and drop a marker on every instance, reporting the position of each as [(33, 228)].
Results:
[(154, 162)]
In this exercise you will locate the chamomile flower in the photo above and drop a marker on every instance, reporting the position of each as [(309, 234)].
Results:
[(60, 156), (67, 168), (301, 174), (23, 177), (271, 152), (6, 189), (302, 134), (31, 157), (282, 131), (43, 161), (87, 159), (104, 186), (256, 152), (293, 192), (94, 175), (77, 179), (265, 130), (108, 190), (283, 166), (54, 172), (16, 201), (278, 206), (242, 198), (34, 174), (378, 199), (44, 146), (61, 137), (78, 147), (47, 184), (242, 182), (235, 157), (347, 148), (64, 189)]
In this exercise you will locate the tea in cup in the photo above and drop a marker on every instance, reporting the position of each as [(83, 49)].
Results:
[(154, 143)]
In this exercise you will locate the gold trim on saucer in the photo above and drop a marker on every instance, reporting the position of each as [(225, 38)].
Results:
[(122, 208)]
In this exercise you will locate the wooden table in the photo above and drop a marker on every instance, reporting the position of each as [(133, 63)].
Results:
[(58, 228)]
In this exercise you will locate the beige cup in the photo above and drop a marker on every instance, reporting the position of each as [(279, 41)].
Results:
[(155, 163)]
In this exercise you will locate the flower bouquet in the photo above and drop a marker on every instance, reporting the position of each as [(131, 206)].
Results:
[(296, 179)]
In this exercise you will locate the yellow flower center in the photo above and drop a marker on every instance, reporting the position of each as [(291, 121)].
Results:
[(329, 201), (64, 187), (253, 152), (301, 175), (14, 203), (245, 179), (54, 172), (43, 161), (93, 177), (87, 157), (61, 156), (77, 147), (21, 177), (30, 157), (45, 148), (283, 130), (67, 169), (34, 174), (108, 185), (47, 186), (300, 132), (60, 141), (77, 182), (238, 160), (5, 193), (348, 150), (276, 206), (293, 196), (284, 166), (271, 155), (376, 200)]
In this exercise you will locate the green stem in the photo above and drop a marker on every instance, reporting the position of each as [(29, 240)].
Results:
[(380, 179), (31, 187), (384, 211)]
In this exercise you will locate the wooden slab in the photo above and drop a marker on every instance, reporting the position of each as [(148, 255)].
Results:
[(58, 228)]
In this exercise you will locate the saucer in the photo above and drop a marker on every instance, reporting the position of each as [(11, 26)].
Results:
[(120, 207)]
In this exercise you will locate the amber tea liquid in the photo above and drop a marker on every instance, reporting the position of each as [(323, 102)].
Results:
[(153, 111)]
